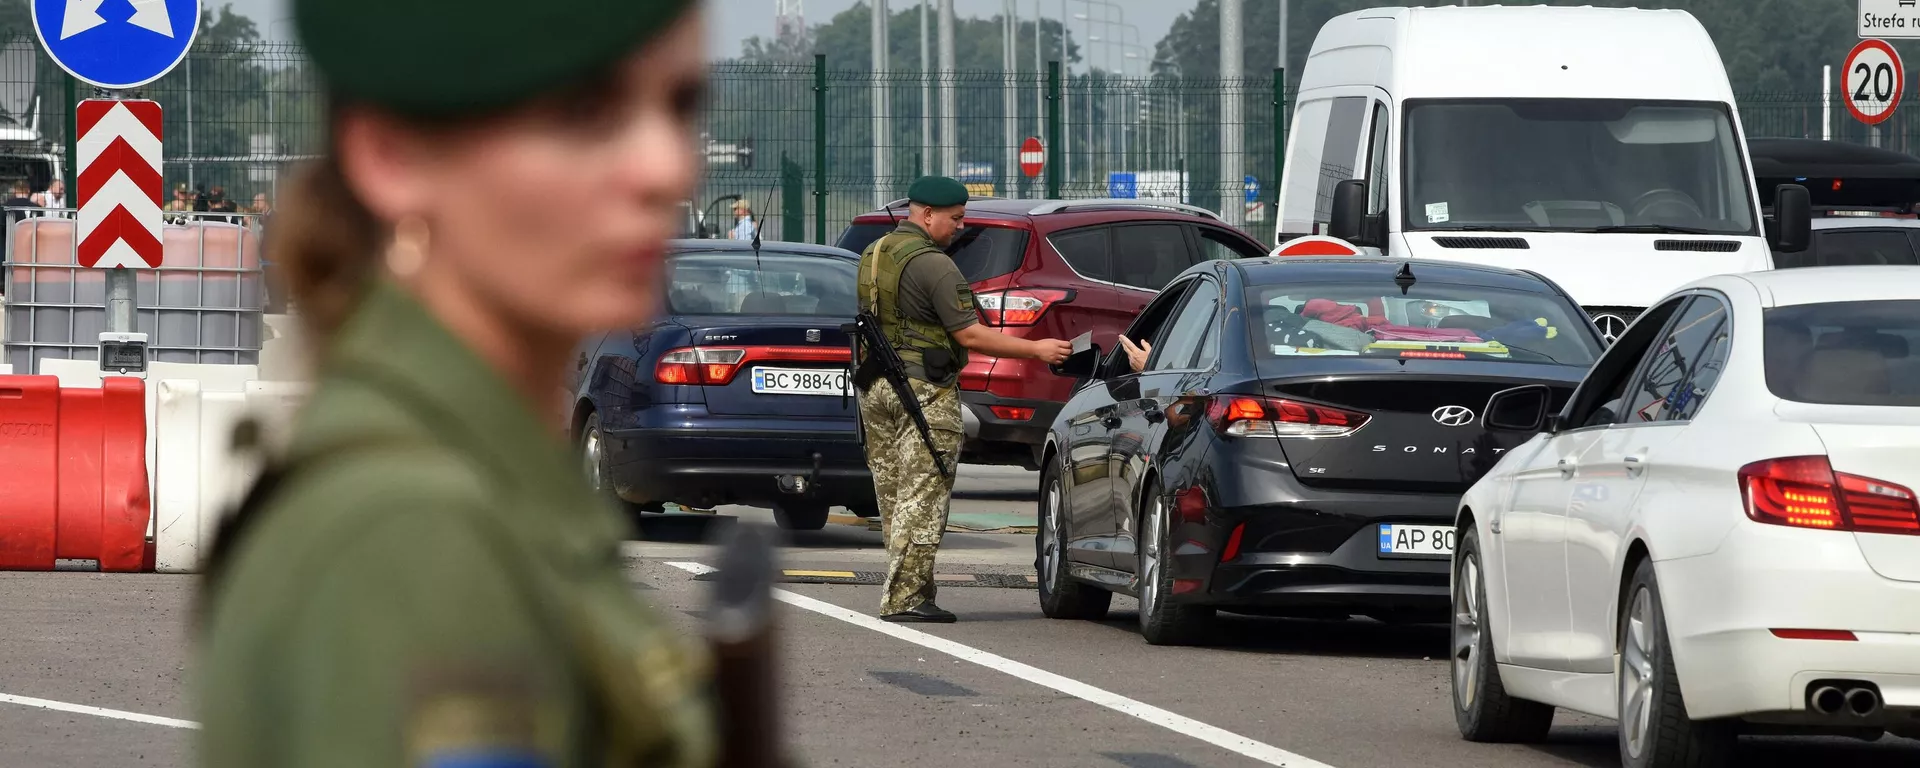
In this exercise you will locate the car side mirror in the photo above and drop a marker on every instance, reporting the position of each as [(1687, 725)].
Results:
[(1521, 409), (1079, 365), (1349, 211), (1792, 231)]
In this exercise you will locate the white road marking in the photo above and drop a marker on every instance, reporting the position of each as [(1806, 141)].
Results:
[(97, 711), (1218, 737)]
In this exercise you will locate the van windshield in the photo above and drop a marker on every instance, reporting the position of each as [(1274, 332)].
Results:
[(1574, 165)]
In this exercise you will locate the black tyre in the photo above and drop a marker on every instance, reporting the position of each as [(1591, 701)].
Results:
[(1060, 596), (802, 516), (1655, 731), (593, 458), (1162, 621), (1481, 706)]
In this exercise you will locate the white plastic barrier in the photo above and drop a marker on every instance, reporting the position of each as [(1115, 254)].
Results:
[(283, 355), (199, 477), (86, 373), (5, 369)]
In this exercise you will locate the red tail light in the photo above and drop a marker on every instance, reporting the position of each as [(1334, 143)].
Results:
[(1019, 306), (1805, 492), (1246, 416), (1815, 634), (1432, 355), (1011, 413), (716, 366), (1232, 549)]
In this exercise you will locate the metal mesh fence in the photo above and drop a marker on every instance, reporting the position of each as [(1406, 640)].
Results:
[(802, 143)]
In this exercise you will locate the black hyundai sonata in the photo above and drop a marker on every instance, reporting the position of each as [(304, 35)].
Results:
[(1296, 439)]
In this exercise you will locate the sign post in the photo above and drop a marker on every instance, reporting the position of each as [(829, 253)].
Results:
[(1872, 80), (119, 178)]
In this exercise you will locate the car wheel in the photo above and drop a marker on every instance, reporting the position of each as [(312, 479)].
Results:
[(1655, 731), (1061, 597), (593, 457), (1162, 621), (801, 516), (1481, 706)]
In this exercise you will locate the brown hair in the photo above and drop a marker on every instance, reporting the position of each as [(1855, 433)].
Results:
[(326, 248)]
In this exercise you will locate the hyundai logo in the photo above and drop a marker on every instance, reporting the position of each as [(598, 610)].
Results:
[(1453, 415), (813, 334), (1611, 326)]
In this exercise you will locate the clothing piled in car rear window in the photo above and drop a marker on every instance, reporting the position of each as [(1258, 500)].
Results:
[(1429, 321)]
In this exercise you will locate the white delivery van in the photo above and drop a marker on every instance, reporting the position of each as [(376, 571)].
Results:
[(1599, 147)]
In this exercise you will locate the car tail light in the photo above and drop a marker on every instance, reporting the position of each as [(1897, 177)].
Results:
[(1247, 416), (1429, 354), (1805, 492), (716, 366), (1814, 634), (1019, 306), (1011, 413)]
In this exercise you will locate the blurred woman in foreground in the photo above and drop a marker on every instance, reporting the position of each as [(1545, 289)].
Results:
[(423, 579)]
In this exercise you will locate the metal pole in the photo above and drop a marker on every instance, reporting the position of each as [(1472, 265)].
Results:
[(1010, 170), (190, 120), (1826, 103), (1039, 65), (1232, 127), (820, 148), (120, 282), (882, 140), (1055, 106), (1061, 153), (949, 105), (73, 142), (926, 86)]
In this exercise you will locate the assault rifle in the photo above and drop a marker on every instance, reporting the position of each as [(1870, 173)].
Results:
[(883, 360)]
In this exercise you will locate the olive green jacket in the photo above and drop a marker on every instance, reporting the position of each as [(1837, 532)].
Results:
[(433, 581)]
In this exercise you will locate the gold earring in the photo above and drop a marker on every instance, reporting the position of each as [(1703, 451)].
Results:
[(407, 253)]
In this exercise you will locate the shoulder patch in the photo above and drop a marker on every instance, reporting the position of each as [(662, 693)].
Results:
[(477, 716), (966, 297)]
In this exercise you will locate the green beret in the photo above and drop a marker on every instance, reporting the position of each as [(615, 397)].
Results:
[(444, 58), (937, 191)]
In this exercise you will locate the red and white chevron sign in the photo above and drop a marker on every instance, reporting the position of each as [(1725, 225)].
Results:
[(120, 187)]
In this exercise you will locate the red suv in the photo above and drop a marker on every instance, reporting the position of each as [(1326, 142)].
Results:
[(1056, 269)]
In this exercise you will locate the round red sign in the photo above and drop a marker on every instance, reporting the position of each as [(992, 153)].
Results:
[(1317, 245), (1872, 80), (1033, 157)]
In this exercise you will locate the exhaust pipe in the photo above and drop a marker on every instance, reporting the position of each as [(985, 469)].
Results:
[(1828, 700), (1863, 702)]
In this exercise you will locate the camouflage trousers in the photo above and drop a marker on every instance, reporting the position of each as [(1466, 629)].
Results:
[(913, 497)]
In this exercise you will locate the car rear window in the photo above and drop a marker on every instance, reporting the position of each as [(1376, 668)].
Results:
[(1844, 353), (980, 252), (775, 283), (1430, 321)]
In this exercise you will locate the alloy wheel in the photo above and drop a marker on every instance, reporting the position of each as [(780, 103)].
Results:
[(590, 458), (1637, 654), (1466, 629), (1050, 540), (1150, 559)]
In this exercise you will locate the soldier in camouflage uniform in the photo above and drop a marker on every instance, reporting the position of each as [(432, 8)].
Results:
[(925, 308)]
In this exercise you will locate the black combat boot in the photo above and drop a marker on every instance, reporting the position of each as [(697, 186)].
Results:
[(924, 613)]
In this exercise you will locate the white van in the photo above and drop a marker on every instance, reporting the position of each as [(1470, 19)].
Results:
[(1599, 147)]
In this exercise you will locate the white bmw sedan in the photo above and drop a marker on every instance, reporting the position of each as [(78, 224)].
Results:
[(1715, 534)]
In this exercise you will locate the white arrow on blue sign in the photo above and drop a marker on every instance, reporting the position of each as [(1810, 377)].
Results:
[(117, 44), (1253, 189)]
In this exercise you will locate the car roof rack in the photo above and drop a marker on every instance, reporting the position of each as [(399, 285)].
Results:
[(1056, 206)]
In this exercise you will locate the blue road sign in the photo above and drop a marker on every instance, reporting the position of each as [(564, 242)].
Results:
[(1123, 185), (1253, 189), (117, 44)]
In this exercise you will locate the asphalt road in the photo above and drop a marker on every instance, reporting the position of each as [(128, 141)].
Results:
[(1004, 687)]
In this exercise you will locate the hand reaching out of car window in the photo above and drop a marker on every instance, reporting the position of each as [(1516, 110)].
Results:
[(1136, 355)]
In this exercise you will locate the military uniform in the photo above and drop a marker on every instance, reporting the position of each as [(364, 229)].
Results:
[(423, 577), (921, 299), (433, 578)]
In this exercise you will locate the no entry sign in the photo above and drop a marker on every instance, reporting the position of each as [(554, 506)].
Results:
[(1317, 245), (1873, 80), (1033, 157)]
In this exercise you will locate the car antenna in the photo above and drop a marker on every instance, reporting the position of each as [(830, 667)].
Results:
[(891, 219), (1404, 277), (756, 229)]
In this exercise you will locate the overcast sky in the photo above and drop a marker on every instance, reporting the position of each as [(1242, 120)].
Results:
[(731, 21)]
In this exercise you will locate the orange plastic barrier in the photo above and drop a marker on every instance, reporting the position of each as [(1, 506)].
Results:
[(73, 474)]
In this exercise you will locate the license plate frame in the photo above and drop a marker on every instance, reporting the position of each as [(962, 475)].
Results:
[(1415, 541), (767, 380)]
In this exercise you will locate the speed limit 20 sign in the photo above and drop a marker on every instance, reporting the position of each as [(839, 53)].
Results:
[(1874, 79)]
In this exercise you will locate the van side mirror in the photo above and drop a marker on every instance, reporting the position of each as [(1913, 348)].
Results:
[(1349, 211), (1521, 409), (1079, 365), (1792, 231)]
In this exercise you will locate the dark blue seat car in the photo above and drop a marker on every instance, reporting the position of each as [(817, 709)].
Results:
[(737, 394)]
